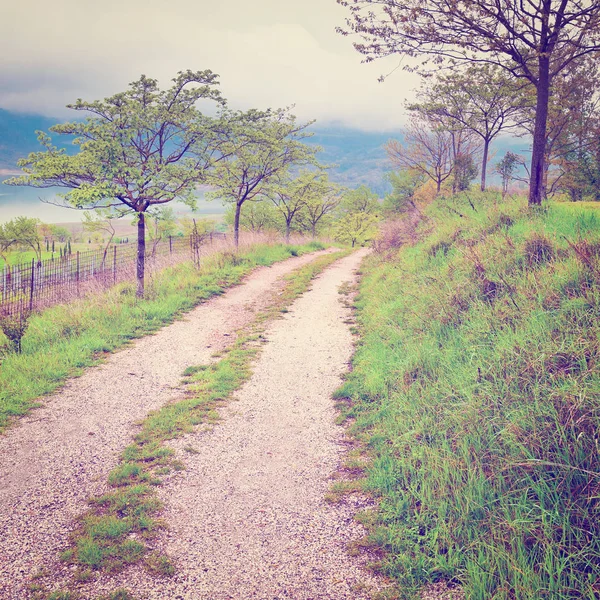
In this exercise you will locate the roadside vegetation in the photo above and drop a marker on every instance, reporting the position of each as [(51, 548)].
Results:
[(61, 341), (115, 531), (475, 388)]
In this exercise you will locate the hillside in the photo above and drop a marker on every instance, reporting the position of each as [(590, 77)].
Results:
[(476, 388)]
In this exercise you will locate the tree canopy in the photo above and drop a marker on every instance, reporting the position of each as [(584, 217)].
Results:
[(259, 147)]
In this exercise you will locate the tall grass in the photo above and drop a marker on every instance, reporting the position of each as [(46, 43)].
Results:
[(476, 387), (63, 340)]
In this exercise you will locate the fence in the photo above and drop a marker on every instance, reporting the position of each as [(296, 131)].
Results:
[(30, 286)]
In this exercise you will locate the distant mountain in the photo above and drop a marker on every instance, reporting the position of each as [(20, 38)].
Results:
[(18, 137), (359, 155)]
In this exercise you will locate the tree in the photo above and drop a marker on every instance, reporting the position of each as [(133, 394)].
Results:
[(323, 200), (139, 148), (361, 199), (465, 170), (260, 147), (532, 40), (506, 168), (20, 233), (426, 151), (404, 185), (258, 216), (482, 99), (291, 195), (101, 221), (355, 228)]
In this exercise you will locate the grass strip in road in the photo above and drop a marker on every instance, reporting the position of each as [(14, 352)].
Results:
[(115, 531), (63, 340)]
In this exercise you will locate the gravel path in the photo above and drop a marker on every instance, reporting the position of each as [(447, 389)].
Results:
[(60, 455), (247, 517)]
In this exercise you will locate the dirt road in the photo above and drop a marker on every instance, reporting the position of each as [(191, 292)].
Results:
[(247, 518)]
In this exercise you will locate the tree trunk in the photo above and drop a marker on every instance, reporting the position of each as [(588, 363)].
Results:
[(141, 254), (536, 185), (288, 230), (486, 147), (313, 230), (236, 224)]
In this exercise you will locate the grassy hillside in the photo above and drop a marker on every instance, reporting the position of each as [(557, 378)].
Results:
[(476, 387)]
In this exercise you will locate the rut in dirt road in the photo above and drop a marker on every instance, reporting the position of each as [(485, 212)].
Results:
[(247, 518), (54, 460)]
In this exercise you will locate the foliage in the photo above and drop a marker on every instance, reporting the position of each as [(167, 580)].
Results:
[(260, 146), (404, 185), (320, 204), (476, 390), (139, 148), (506, 169), (361, 199), (355, 228), (19, 233)]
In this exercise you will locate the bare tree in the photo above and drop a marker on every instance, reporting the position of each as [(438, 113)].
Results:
[(425, 150), (482, 99)]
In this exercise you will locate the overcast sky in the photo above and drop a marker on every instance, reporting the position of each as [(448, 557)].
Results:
[(268, 53)]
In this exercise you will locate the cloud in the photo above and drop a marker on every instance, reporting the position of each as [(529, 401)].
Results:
[(267, 52)]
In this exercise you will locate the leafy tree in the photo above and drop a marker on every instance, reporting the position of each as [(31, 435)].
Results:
[(290, 195), (465, 171), (536, 41), (260, 147), (139, 148), (18, 234), (361, 199), (506, 168), (101, 221), (404, 186), (482, 99), (322, 201), (257, 217), (355, 228)]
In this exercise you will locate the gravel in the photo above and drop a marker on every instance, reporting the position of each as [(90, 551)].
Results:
[(59, 456), (247, 518)]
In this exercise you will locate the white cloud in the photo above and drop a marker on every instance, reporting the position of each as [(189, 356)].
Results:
[(267, 52)]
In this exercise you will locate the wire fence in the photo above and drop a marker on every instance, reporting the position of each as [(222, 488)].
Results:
[(38, 284)]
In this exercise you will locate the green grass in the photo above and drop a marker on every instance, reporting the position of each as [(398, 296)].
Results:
[(103, 541), (62, 341), (476, 390)]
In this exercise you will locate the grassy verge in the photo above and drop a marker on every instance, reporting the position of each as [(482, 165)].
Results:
[(477, 391), (116, 529), (65, 339)]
